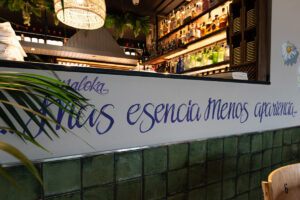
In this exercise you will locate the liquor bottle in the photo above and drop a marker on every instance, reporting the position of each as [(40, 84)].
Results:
[(210, 56), (205, 5), (209, 25), (146, 54), (203, 29), (182, 67), (199, 59), (204, 57), (193, 8), (215, 24), (221, 53), (165, 27), (223, 19), (192, 32), (173, 20), (178, 18), (182, 16), (199, 6), (188, 34), (178, 68), (227, 53), (198, 31), (188, 14), (215, 54)]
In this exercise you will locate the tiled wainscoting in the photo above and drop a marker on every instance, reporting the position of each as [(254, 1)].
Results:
[(222, 168)]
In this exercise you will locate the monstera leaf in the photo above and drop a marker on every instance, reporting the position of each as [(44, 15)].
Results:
[(23, 94)]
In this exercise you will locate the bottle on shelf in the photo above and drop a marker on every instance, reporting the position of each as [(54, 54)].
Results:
[(221, 54), (178, 68), (227, 53), (205, 6), (192, 32), (215, 54), (198, 31), (209, 25), (216, 24), (204, 57), (193, 10), (209, 56), (223, 19), (182, 67), (203, 29), (188, 14), (199, 7), (178, 18)]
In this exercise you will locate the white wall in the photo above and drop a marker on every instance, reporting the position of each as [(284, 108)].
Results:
[(125, 91)]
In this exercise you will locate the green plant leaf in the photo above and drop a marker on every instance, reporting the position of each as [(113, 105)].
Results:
[(21, 157)]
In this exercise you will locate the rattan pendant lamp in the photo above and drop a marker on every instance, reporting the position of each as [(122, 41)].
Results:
[(81, 14)]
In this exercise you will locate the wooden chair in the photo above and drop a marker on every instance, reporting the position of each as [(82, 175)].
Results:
[(283, 184)]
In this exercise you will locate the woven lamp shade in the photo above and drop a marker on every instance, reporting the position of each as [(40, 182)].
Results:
[(81, 14)]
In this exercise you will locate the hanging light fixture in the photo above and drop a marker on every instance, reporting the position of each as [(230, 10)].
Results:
[(81, 14)]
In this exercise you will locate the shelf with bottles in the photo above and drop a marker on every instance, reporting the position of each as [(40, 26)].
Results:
[(212, 55), (186, 15)]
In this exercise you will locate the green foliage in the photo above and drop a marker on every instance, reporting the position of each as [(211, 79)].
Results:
[(23, 94), (28, 7), (121, 22)]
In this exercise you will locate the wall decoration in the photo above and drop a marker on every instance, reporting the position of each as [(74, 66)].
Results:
[(290, 53)]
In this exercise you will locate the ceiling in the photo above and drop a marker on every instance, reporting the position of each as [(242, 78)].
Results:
[(150, 8)]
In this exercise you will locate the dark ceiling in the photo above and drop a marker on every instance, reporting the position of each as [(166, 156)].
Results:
[(151, 8)]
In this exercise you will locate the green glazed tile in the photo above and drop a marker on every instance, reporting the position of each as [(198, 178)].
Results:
[(256, 194), (155, 160), (198, 194), (287, 153), (214, 191), (60, 177), (267, 158), (198, 152), (244, 144), (155, 187), (129, 190), (277, 138), (178, 156), (256, 142), (255, 180), (229, 188), (265, 173), (276, 156), (230, 147), (75, 196), (242, 184), (244, 163), (31, 187), (287, 136), (98, 170), (214, 171), (295, 151), (214, 149), (197, 176), (267, 140), (177, 181), (256, 161), (295, 135), (99, 193), (229, 168), (181, 196), (242, 197), (129, 165)]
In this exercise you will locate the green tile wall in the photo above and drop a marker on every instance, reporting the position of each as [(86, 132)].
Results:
[(228, 168)]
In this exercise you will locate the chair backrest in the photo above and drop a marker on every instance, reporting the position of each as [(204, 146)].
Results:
[(283, 184)]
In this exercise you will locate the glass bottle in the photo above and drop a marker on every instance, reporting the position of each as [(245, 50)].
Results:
[(205, 5), (178, 68), (188, 14), (216, 23), (209, 25), (178, 18), (227, 53), (165, 27), (199, 6), (223, 19), (193, 9), (215, 54), (198, 31), (203, 29), (182, 67), (192, 32), (204, 57), (221, 53), (210, 56), (199, 59), (182, 15)]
